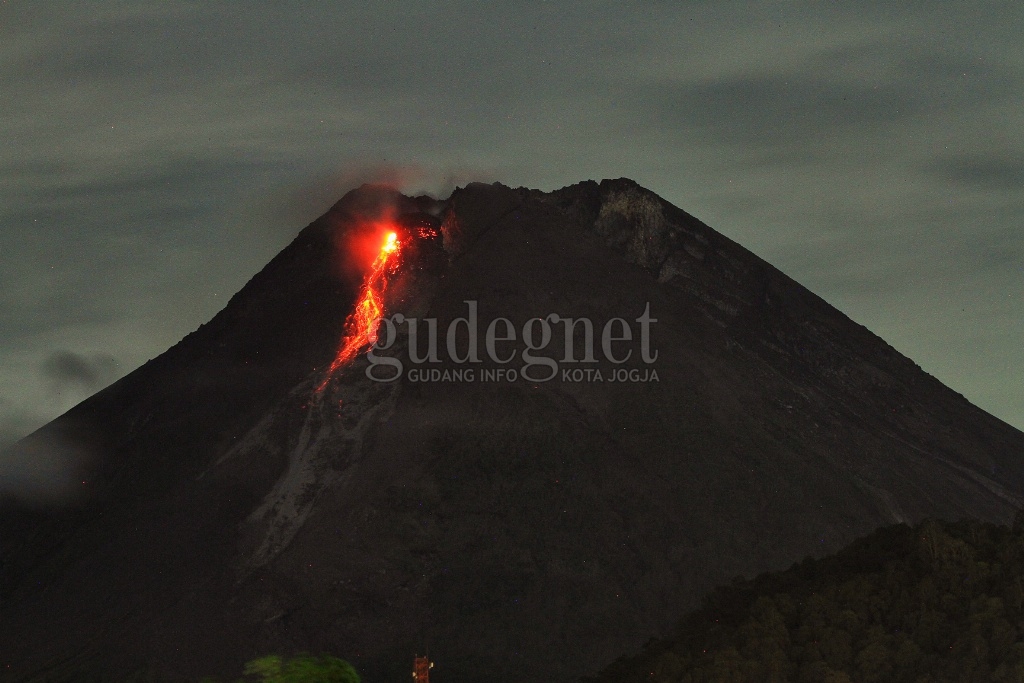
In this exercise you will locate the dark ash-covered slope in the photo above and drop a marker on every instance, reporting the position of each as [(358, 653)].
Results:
[(521, 531)]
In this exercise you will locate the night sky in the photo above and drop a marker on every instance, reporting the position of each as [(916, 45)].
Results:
[(156, 155)]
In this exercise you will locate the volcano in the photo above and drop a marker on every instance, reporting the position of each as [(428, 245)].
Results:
[(584, 410)]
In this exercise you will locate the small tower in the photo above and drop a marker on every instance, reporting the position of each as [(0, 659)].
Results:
[(421, 667)]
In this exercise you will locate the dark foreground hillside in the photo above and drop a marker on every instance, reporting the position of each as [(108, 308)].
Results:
[(933, 603)]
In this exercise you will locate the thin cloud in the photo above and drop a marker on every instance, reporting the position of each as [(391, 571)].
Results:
[(778, 110), (992, 173)]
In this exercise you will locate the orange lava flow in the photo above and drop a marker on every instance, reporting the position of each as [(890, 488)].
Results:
[(361, 325)]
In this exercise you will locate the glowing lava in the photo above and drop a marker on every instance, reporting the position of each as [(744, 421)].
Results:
[(361, 325)]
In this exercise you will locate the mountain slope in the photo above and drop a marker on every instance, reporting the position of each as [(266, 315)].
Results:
[(522, 530)]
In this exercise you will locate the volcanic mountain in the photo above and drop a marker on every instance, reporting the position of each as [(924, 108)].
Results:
[(257, 488)]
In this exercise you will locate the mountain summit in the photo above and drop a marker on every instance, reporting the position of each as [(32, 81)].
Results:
[(585, 409)]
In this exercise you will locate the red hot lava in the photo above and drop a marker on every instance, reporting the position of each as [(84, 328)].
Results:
[(361, 325)]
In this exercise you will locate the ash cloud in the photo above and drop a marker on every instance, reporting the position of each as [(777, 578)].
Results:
[(289, 208), (40, 469), (67, 371), (48, 467), (11, 429)]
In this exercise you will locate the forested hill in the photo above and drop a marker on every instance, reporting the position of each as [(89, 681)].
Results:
[(937, 602)]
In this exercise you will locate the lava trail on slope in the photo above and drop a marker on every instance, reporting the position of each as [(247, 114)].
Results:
[(362, 324)]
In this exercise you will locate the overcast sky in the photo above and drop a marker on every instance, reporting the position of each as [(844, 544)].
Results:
[(155, 155)]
